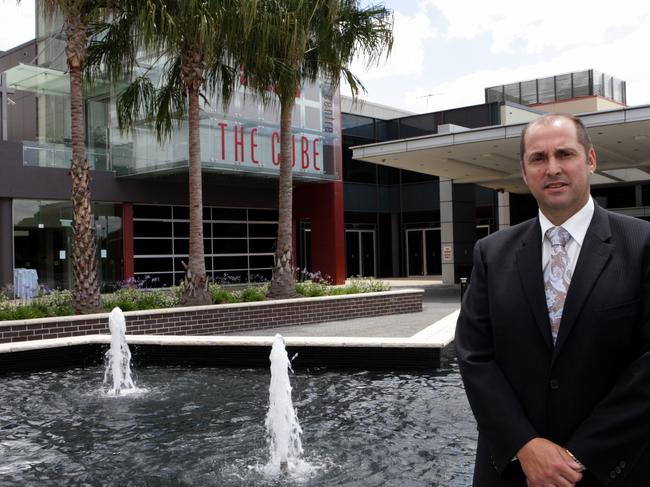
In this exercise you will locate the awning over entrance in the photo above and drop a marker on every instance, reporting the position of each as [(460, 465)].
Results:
[(38, 79), (490, 156)]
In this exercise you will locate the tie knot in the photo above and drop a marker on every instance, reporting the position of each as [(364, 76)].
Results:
[(558, 236)]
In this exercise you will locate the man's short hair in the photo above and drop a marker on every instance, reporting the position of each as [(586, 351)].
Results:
[(583, 136)]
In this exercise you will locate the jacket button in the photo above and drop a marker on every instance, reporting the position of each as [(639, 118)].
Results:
[(554, 384), (618, 469), (612, 474), (621, 464)]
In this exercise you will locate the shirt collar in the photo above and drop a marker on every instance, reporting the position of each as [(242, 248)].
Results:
[(577, 225)]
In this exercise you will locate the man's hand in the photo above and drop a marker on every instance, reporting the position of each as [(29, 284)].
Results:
[(547, 464)]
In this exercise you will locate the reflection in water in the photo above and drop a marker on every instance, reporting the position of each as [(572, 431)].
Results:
[(206, 427)]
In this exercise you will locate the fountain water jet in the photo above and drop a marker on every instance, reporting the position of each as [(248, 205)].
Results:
[(118, 365), (283, 429)]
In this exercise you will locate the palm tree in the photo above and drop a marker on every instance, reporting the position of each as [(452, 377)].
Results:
[(192, 38), (77, 16), (303, 40)]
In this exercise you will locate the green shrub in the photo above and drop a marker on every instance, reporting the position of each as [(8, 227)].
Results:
[(367, 285), (130, 299), (57, 303), (253, 293), (220, 295), (356, 286), (310, 289)]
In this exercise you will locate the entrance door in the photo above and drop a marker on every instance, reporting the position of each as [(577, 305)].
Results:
[(304, 246), (423, 247), (360, 253)]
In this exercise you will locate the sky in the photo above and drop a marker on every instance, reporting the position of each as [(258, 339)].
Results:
[(446, 52)]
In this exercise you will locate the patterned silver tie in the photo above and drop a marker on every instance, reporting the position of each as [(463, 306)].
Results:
[(557, 276)]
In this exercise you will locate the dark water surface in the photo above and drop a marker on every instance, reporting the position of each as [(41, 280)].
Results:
[(205, 427)]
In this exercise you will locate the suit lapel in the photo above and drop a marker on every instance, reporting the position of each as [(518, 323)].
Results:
[(596, 251), (529, 266)]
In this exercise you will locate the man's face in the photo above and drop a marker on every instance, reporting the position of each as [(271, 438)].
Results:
[(556, 169)]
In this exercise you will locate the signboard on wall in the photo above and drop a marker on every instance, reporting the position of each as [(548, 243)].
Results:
[(246, 138), (447, 253)]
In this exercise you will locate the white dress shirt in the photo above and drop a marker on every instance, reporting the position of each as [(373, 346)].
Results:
[(577, 227)]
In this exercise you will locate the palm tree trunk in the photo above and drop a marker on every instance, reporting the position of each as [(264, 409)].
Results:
[(85, 295), (283, 282), (196, 282)]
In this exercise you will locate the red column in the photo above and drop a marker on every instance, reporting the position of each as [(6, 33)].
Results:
[(127, 240), (323, 205)]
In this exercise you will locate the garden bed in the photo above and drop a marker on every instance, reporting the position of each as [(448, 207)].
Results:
[(221, 319)]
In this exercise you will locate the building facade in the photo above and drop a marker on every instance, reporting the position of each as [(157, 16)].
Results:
[(378, 192)]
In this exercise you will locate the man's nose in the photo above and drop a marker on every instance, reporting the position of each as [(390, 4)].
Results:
[(553, 167)]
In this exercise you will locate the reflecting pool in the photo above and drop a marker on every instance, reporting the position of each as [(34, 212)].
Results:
[(205, 427)]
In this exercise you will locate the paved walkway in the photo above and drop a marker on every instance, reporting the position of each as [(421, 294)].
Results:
[(439, 300)]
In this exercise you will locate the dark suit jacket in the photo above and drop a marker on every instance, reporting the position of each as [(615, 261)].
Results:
[(591, 391)]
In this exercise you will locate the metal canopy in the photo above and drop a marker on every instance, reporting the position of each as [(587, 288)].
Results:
[(41, 80), (489, 156)]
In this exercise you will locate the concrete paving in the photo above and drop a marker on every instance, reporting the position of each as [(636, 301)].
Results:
[(439, 300)]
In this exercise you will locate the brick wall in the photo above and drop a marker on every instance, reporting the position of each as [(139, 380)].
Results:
[(220, 319)]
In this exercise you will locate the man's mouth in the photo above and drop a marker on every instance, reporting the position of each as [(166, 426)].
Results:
[(555, 185)]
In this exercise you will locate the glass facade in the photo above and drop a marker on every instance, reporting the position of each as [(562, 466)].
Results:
[(239, 243), (245, 137), (392, 216), (560, 87), (43, 241)]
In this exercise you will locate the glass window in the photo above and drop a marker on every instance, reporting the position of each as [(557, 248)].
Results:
[(43, 241), (546, 89), (153, 264), (262, 215), (618, 90), (181, 229), (511, 93), (261, 261), (161, 279), (563, 87), (598, 83), (226, 230), (261, 245), (607, 86), (263, 230), (581, 84), (229, 214), (152, 211), (231, 276), (181, 213), (230, 246), (528, 92), (494, 94), (181, 246), (146, 228), (152, 246), (230, 262), (388, 175), (417, 125)]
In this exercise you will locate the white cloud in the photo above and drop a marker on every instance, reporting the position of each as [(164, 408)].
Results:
[(617, 58), (18, 23), (556, 24), (407, 56)]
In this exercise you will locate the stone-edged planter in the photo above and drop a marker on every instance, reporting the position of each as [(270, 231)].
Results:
[(221, 318)]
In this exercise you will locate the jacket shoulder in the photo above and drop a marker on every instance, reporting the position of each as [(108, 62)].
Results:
[(508, 235)]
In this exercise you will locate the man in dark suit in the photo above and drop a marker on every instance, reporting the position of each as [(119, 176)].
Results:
[(553, 338)]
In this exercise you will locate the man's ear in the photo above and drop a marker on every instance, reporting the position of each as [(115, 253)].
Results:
[(523, 172), (591, 160)]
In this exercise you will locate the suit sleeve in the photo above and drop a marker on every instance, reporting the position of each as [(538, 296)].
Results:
[(499, 414), (617, 431)]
